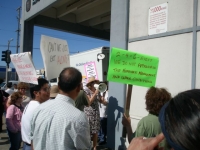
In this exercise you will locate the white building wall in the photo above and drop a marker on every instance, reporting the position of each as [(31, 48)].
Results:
[(198, 17), (174, 52), (198, 61), (180, 15)]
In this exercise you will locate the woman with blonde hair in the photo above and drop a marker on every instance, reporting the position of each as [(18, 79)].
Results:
[(13, 120), (22, 88)]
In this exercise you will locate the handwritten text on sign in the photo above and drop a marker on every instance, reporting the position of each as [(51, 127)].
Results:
[(24, 67), (132, 68), (55, 54), (158, 19), (90, 69)]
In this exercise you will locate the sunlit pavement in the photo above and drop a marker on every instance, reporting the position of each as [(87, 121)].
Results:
[(5, 144), (4, 140)]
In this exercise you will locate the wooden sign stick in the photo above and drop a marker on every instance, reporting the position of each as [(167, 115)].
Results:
[(127, 107)]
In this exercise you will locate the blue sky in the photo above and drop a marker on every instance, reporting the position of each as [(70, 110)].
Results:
[(8, 27)]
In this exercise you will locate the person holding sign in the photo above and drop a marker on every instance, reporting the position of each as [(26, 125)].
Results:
[(149, 126), (179, 119), (92, 111)]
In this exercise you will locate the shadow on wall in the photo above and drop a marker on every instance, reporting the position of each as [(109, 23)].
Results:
[(113, 123)]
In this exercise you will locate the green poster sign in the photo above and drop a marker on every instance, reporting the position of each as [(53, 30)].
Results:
[(132, 68)]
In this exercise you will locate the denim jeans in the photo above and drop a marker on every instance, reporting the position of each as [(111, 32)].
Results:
[(1, 121), (103, 130), (26, 147), (15, 140)]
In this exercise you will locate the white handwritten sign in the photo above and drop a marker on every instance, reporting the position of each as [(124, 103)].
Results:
[(90, 70), (24, 67), (55, 54), (158, 19)]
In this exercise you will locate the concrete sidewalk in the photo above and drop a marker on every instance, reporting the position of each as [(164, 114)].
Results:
[(5, 143), (4, 140)]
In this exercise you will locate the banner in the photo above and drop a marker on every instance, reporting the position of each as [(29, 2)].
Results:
[(55, 54), (132, 68), (24, 67)]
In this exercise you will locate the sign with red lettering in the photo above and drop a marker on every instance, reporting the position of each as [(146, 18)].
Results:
[(55, 55), (24, 67), (157, 22), (90, 70)]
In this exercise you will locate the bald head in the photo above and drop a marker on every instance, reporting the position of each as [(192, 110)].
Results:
[(69, 79)]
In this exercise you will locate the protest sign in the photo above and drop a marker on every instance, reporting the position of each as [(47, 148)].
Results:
[(24, 67), (132, 68), (55, 55), (90, 70)]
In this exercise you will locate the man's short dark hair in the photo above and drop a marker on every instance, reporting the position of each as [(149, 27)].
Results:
[(9, 85), (41, 83), (69, 79)]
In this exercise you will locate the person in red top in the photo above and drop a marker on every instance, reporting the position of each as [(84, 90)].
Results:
[(13, 120)]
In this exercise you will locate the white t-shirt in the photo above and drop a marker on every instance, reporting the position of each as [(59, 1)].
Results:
[(26, 120), (9, 91), (103, 108)]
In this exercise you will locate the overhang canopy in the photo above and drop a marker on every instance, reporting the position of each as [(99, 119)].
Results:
[(85, 17)]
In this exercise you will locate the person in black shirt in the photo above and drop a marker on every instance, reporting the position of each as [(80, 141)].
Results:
[(3, 95)]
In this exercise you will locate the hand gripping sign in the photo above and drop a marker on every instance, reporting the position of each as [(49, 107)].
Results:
[(133, 69)]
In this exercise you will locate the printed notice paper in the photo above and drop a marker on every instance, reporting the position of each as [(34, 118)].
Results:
[(24, 67), (132, 68), (157, 22)]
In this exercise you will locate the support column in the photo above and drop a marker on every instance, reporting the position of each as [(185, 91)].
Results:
[(117, 91), (26, 38)]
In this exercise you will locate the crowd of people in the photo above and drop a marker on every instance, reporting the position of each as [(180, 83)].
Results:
[(22, 104), (73, 116)]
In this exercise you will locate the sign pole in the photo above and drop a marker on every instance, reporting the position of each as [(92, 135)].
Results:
[(6, 74), (127, 107)]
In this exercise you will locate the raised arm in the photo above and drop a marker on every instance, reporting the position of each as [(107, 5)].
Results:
[(93, 97)]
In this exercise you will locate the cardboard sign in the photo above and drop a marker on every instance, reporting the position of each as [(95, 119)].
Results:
[(158, 19), (132, 68), (90, 70), (55, 55), (24, 67)]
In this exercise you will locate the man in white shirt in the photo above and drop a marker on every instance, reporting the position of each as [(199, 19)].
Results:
[(15, 87), (58, 124), (103, 120), (39, 94), (9, 90)]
